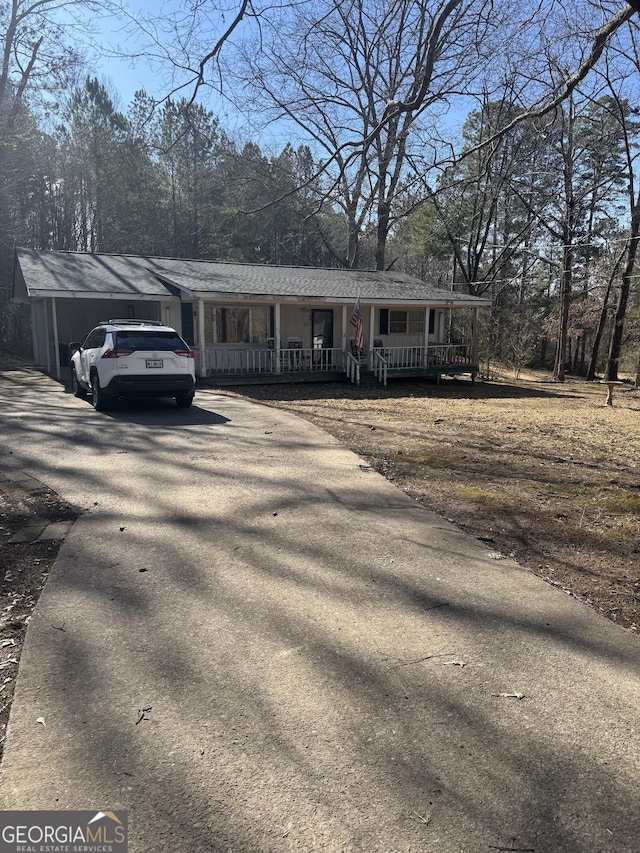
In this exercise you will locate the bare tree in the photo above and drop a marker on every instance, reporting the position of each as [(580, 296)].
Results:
[(38, 46), (365, 83), (630, 51), (359, 79)]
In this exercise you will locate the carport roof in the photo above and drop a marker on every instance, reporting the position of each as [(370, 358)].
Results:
[(67, 274)]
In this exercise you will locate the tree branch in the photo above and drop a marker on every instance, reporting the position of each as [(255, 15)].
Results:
[(571, 83)]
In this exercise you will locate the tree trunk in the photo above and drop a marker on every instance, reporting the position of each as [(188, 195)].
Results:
[(568, 230), (593, 363), (615, 348), (559, 368), (382, 231), (353, 241)]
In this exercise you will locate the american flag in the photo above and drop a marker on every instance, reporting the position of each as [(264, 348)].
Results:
[(356, 322)]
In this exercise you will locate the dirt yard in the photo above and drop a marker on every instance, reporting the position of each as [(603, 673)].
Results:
[(541, 472)]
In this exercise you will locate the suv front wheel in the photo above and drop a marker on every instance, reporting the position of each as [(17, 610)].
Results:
[(76, 387)]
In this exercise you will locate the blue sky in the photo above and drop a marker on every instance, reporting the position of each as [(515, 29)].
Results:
[(126, 75), (118, 34)]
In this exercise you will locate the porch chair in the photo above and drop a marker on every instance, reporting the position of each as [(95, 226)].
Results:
[(296, 356)]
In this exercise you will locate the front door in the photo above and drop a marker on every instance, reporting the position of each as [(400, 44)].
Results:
[(322, 337), (322, 328)]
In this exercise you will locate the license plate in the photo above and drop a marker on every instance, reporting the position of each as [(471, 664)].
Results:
[(154, 362)]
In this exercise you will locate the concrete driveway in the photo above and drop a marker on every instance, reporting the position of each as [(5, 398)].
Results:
[(252, 642)]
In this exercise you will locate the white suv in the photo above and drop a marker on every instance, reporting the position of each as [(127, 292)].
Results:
[(132, 358)]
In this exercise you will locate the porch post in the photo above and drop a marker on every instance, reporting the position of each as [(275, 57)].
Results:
[(56, 341), (425, 359), (372, 331), (276, 332), (47, 336), (474, 339), (201, 342), (344, 329), (35, 330)]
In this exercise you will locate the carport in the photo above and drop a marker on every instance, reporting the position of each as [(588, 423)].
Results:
[(87, 299)]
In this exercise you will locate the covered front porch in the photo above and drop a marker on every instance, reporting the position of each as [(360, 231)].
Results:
[(293, 342)]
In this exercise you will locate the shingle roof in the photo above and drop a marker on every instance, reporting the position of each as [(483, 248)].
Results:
[(75, 273), (307, 282)]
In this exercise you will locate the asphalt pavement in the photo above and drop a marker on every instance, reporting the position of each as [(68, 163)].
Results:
[(252, 642)]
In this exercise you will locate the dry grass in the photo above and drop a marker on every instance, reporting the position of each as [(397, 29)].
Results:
[(542, 472)]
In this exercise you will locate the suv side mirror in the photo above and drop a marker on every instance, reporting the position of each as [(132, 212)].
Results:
[(75, 346)]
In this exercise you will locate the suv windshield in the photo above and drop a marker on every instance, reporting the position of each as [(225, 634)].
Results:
[(139, 340)]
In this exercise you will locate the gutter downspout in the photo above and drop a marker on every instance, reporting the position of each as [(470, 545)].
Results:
[(372, 331)]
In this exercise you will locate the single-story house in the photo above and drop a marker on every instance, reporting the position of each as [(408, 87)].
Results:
[(252, 322)]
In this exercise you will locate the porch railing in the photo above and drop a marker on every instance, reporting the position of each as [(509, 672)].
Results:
[(352, 369), (323, 360), (238, 362), (434, 355), (379, 365)]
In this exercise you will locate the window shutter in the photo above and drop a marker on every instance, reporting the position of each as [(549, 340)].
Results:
[(186, 309), (384, 321), (432, 321)]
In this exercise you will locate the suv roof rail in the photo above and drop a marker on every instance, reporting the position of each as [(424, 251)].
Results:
[(131, 323)]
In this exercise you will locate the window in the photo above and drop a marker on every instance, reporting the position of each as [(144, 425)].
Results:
[(406, 322), (94, 339), (236, 325), (148, 341)]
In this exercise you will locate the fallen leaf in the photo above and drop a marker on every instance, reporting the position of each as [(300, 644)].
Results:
[(41, 721), (509, 695), (425, 818), (459, 663)]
